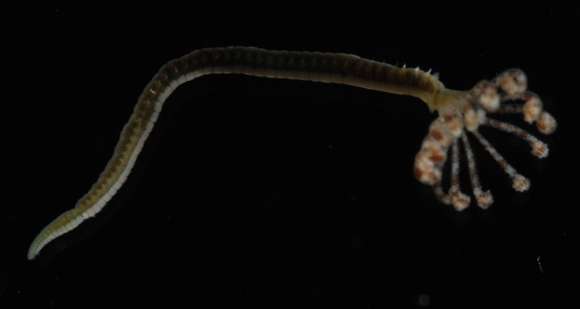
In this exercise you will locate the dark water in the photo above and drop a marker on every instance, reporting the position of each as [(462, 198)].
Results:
[(282, 193)]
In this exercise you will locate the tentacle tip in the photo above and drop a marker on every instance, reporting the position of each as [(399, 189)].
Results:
[(512, 82), (532, 109), (459, 200), (521, 183), (546, 123), (484, 199), (540, 149)]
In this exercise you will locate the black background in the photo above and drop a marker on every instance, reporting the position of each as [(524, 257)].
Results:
[(274, 193)]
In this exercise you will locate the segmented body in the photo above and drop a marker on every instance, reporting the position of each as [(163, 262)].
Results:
[(310, 66)]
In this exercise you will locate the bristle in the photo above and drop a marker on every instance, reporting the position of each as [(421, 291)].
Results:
[(520, 183), (539, 149), (484, 199)]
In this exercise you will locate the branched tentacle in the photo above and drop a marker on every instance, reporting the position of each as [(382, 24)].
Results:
[(484, 198), (472, 110)]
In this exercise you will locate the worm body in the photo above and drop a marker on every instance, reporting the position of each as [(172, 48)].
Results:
[(455, 109)]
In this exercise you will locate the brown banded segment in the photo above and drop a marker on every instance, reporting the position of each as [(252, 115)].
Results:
[(302, 62), (242, 58), (285, 62)]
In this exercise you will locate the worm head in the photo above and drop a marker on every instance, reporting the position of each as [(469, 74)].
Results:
[(462, 115)]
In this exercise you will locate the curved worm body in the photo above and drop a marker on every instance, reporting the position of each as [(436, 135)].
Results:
[(460, 112), (311, 66)]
